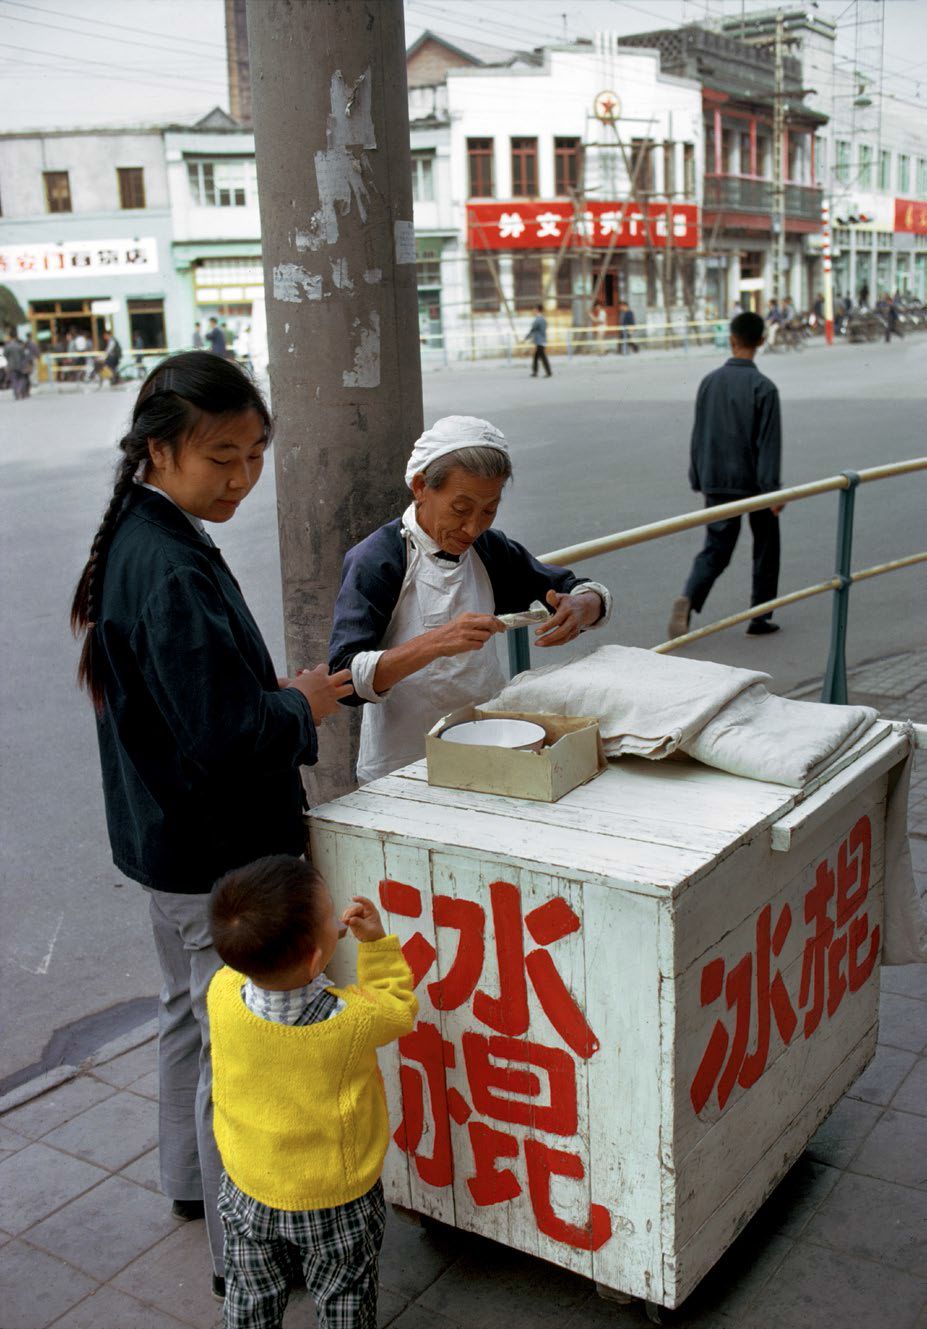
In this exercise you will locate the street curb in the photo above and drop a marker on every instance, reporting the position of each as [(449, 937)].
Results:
[(58, 1075)]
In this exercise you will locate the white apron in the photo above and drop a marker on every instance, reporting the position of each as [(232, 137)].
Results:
[(433, 592)]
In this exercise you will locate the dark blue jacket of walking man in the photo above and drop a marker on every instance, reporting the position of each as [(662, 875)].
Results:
[(735, 453), (537, 333)]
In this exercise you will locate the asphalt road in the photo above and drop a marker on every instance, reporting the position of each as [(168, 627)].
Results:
[(599, 447)]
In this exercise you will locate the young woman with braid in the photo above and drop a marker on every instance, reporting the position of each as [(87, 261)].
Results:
[(200, 742)]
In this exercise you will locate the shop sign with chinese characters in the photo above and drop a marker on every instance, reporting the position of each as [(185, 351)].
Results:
[(542, 225), (910, 217), (79, 258)]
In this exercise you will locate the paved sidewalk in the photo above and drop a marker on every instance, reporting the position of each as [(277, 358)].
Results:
[(87, 1242)]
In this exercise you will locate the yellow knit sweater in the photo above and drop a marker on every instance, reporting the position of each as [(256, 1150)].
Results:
[(299, 1110)]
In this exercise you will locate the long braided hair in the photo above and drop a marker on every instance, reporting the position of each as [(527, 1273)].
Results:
[(171, 401)]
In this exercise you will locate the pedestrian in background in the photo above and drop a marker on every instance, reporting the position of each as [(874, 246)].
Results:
[(627, 322), (198, 342), (18, 364), (216, 338), (537, 333), (888, 311), (735, 453), (200, 741), (112, 356)]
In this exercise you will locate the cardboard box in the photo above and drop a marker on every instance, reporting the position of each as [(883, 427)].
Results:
[(574, 756)]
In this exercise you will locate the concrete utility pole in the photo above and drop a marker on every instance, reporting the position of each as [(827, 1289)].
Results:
[(331, 128)]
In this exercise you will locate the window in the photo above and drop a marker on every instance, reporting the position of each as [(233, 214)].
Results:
[(525, 167), (688, 169), (567, 158), (57, 191), (884, 239), (744, 167), (842, 167), (223, 184), (131, 186), (903, 172), (728, 143), (484, 294), (885, 170), (565, 283), (865, 166), (479, 160), (146, 324), (763, 156), (841, 237), (527, 278), (820, 159), (669, 169), (922, 177), (429, 264), (642, 166), (423, 183)]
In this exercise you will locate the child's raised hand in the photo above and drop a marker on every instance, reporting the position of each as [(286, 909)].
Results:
[(362, 917)]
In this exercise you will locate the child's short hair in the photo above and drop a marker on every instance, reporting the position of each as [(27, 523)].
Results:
[(748, 329), (265, 917)]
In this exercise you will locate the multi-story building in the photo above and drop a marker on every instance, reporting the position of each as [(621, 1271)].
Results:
[(85, 235), (590, 193), (870, 156), (738, 83)]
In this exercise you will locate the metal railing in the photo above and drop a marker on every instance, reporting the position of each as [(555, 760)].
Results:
[(479, 344), (835, 677)]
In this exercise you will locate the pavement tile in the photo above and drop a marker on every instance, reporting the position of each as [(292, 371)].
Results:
[(131, 1066), (417, 1317), (816, 1288), (896, 1150), (176, 1275), (413, 1257), (147, 1085), (10, 1142), (109, 1309), (883, 1075), (36, 1181), (912, 1096), (110, 1133), (797, 1196), (145, 1171), (909, 980), (36, 1288), (43, 1114), (875, 1220), (498, 1288), (103, 1231), (737, 1281), (837, 1139)]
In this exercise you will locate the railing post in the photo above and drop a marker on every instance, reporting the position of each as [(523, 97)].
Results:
[(519, 651), (835, 677)]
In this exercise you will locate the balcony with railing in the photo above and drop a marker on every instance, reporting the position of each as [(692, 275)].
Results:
[(741, 193)]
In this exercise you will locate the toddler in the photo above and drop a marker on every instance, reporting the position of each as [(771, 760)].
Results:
[(299, 1110)]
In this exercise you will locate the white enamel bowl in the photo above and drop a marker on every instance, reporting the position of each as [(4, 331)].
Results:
[(523, 735)]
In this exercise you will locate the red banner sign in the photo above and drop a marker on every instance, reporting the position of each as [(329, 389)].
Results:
[(910, 216), (540, 225)]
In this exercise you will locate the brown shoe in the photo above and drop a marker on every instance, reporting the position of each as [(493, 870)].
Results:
[(679, 619)]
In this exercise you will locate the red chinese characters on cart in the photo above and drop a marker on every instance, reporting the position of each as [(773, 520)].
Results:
[(496, 1056), (838, 956)]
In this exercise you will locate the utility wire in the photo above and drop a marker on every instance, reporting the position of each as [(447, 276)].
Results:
[(106, 23), (97, 37)]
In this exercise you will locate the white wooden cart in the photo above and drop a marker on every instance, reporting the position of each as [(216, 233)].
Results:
[(636, 1004)]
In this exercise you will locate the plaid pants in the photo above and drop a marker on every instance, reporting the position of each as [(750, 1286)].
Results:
[(338, 1249)]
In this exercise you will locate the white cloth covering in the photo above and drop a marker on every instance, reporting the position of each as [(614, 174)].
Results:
[(450, 433), (649, 705)]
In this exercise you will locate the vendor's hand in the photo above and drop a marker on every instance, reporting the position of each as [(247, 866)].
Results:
[(780, 507), (322, 690), (571, 614), (466, 632), (363, 918)]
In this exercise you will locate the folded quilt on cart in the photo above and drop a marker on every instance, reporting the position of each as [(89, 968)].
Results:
[(652, 705)]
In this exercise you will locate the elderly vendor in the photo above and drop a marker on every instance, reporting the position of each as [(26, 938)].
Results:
[(415, 615)]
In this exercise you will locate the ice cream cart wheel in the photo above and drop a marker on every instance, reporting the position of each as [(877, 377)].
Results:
[(658, 1314)]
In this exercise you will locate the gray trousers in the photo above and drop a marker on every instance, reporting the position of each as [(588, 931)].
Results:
[(190, 1165)]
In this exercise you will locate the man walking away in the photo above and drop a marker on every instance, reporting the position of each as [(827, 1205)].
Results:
[(112, 357), (888, 312), (735, 453), (197, 337), (538, 334), (18, 364)]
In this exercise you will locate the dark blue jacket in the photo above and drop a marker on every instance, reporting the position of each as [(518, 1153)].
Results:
[(373, 572), (737, 435), (199, 746)]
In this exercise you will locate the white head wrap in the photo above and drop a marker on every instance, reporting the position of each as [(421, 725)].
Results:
[(449, 434)]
